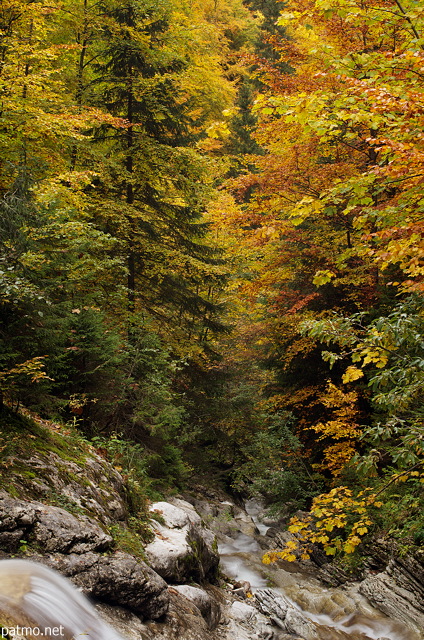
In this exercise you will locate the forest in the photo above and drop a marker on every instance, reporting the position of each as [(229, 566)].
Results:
[(210, 248)]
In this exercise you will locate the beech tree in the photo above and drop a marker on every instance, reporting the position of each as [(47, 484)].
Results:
[(335, 226)]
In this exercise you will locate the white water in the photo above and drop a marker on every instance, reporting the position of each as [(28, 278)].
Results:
[(240, 558), (32, 594)]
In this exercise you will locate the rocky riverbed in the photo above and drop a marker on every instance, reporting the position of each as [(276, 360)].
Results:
[(201, 577)]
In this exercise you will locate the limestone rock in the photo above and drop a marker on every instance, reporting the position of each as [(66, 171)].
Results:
[(208, 607), (393, 599), (247, 623), (242, 611), (282, 612), (15, 514), (93, 485), (118, 579), (51, 528), (183, 547), (58, 530)]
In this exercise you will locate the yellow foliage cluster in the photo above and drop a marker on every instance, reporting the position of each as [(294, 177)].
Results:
[(342, 427), (337, 521)]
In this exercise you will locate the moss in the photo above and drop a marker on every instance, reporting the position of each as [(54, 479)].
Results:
[(20, 437), (158, 516), (11, 489), (62, 501), (142, 528), (215, 545), (127, 540), (80, 480)]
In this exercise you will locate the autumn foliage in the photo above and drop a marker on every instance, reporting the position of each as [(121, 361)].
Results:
[(211, 239)]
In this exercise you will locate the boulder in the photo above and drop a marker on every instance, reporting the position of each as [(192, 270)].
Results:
[(245, 622), (183, 547), (117, 579), (60, 531), (91, 485), (208, 607), (242, 612), (393, 598), (282, 613), (50, 528)]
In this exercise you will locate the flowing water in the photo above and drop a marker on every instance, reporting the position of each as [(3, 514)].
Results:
[(336, 613), (43, 603)]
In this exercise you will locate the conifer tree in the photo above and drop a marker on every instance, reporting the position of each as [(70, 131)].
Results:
[(152, 194)]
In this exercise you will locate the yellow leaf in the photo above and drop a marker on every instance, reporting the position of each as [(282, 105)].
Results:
[(351, 374), (291, 544), (290, 557)]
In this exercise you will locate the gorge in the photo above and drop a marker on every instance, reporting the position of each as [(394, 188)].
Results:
[(200, 576)]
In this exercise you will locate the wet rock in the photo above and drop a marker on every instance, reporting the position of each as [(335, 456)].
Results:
[(282, 612), (208, 607), (244, 522), (117, 579), (223, 516), (247, 623), (393, 599), (332, 575), (183, 547), (243, 612)]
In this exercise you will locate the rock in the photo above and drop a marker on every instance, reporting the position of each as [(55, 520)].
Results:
[(208, 607), (247, 623), (241, 611), (175, 516), (333, 575), (128, 624), (183, 547), (242, 588), (244, 522), (282, 612), (393, 599), (117, 579), (223, 516), (92, 485), (51, 528), (10, 541), (58, 530), (15, 514), (182, 622), (188, 508)]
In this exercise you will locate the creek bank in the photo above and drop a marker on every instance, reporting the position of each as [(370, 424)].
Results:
[(172, 590), (61, 504), (300, 605)]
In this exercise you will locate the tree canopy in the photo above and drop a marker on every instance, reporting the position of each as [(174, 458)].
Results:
[(211, 243)]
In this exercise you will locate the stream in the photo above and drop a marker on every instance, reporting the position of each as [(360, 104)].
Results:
[(331, 613)]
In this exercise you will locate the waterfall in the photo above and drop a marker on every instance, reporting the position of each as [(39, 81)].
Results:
[(41, 602)]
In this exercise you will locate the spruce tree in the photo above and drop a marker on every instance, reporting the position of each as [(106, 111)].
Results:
[(152, 195)]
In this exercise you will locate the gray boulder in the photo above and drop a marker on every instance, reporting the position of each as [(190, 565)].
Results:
[(50, 528), (392, 598), (117, 579), (208, 607), (183, 547), (60, 531), (282, 613)]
